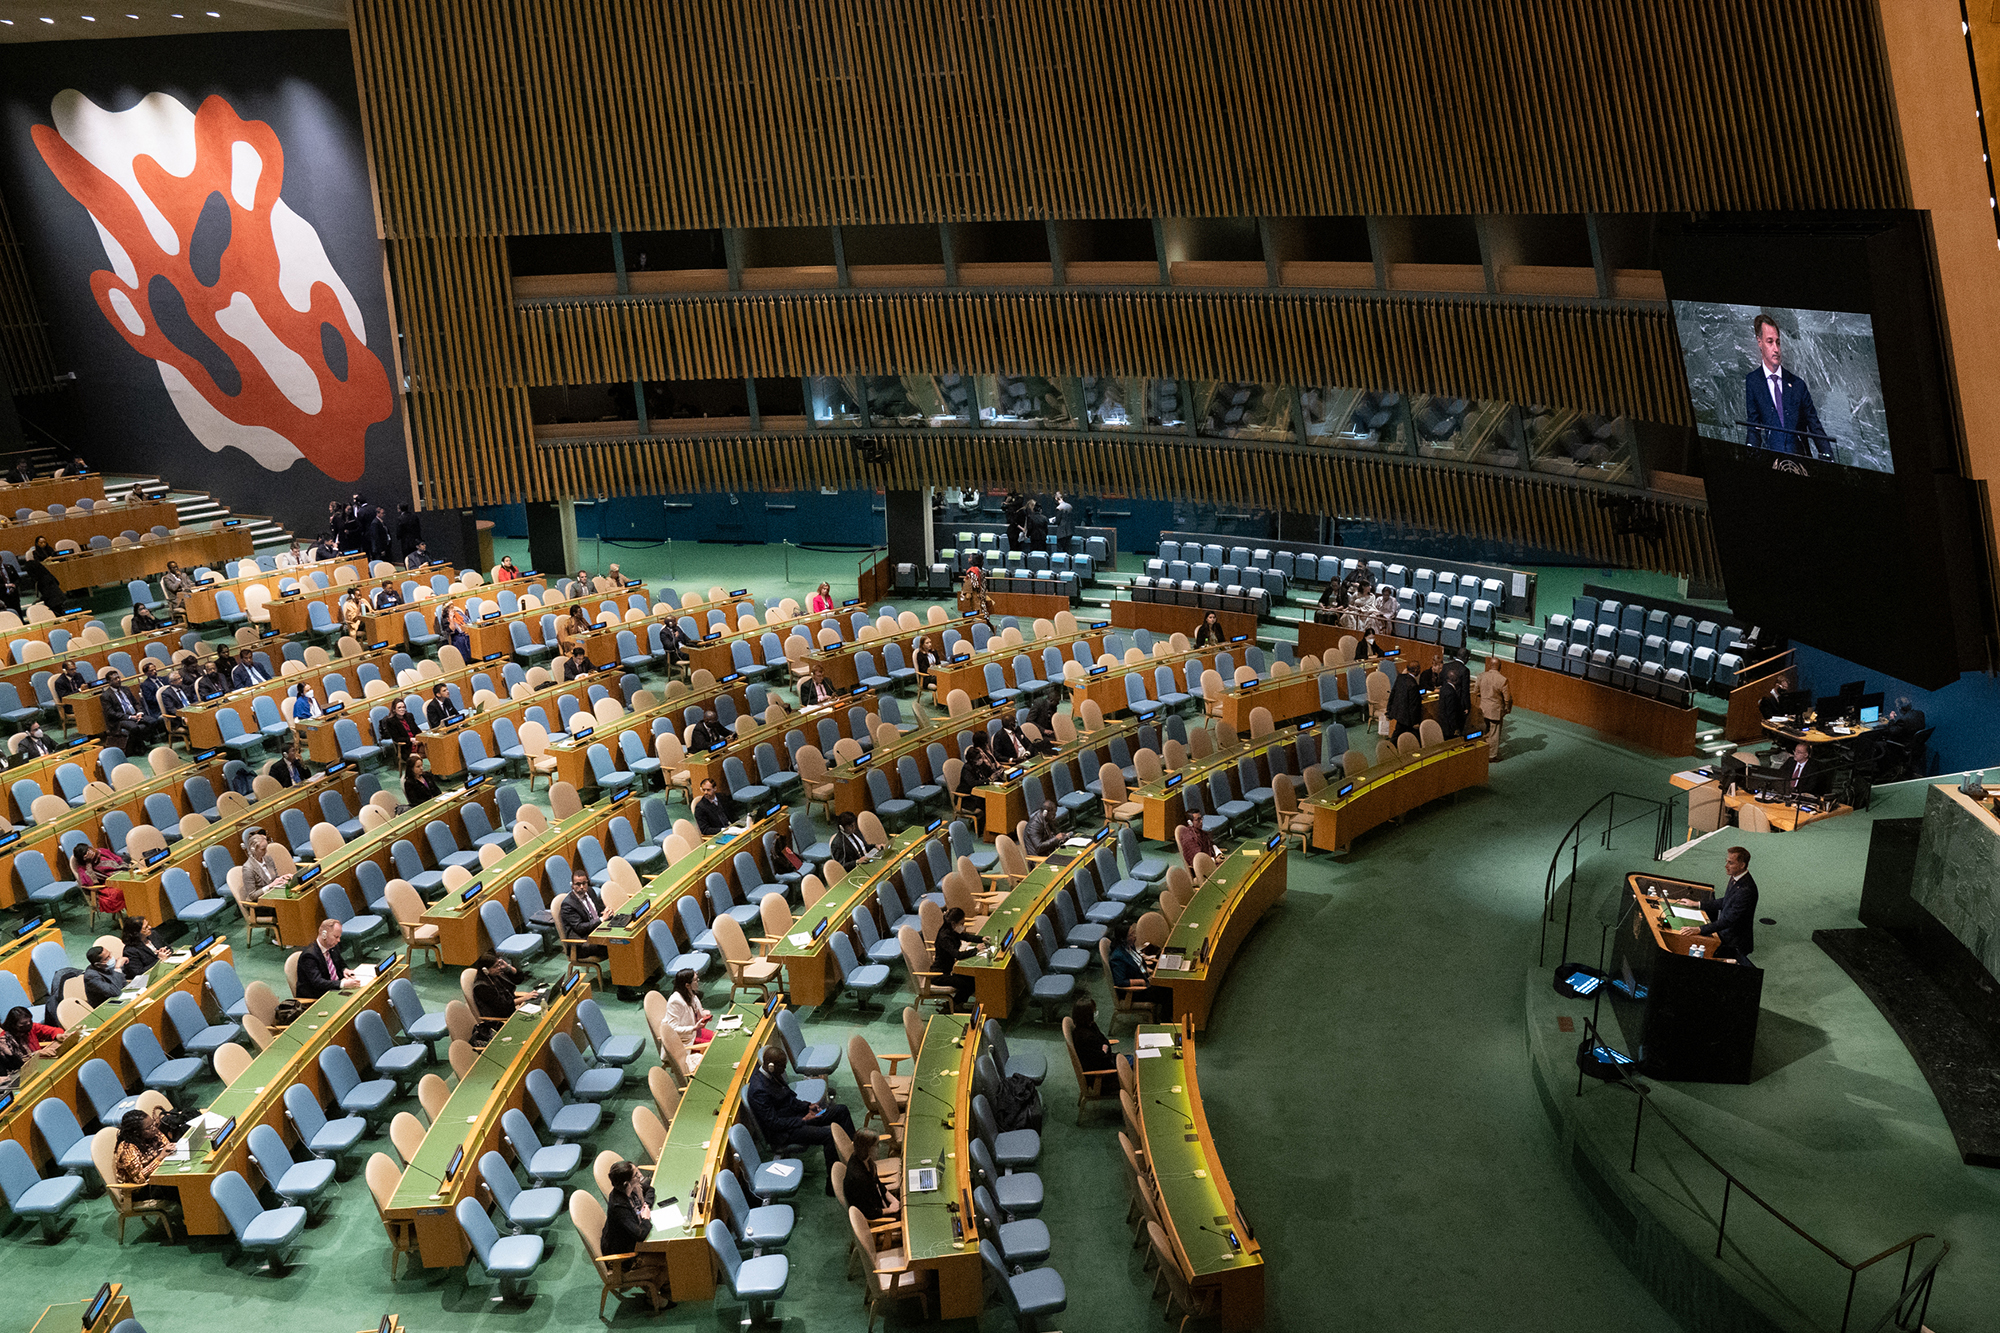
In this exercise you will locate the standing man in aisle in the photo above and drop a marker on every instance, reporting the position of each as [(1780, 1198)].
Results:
[(1495, 702), (1733, 917)]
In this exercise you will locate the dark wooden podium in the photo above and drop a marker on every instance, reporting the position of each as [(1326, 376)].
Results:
[(1689, 1018)]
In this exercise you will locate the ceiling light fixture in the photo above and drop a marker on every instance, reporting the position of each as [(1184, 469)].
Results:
[(86, 18), (47, 20)]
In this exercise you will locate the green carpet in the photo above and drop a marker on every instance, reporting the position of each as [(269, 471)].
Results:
[(1364, 1074)]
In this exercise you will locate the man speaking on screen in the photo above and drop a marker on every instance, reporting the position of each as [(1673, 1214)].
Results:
[(1774, 396)]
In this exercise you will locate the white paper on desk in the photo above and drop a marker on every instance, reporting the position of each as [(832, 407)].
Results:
[(365, 974), (798, 939), (1149, 1053), (782, 1169), (180, 1153), (211, 1122), (729, 1023), (1147, 1039), (1170, 962), (671, 1216), (1077, 842)]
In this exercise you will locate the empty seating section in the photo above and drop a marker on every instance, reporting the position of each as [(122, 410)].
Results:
[(1632, 647)]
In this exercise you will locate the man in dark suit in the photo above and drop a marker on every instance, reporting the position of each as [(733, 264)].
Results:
[(715, 811), (320, 967), (788, 1118), (1733, 917), (1774, 396), (439, 710), (582, 910), (847, 846), (1805, 775), (409, 531), (707, 733), (247, 674), (288, 768), (101, 978)]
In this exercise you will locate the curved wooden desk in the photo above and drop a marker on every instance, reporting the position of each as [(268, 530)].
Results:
[(1347, 807), (1250, 881), (1196, 1202)]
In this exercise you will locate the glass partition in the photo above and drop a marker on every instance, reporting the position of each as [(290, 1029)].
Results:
[(1024, 401), (1372, 419), (1570, 443), (836, 401), (1238, 410)]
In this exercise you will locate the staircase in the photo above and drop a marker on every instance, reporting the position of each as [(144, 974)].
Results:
[(201, 507)]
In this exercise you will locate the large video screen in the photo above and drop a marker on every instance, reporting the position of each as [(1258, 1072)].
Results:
[(1786, 381)]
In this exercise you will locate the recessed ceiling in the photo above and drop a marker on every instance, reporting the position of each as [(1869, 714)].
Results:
[(78, 20)]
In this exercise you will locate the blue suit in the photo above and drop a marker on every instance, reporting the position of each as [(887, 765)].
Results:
[(1734, 922), (1798, 414)]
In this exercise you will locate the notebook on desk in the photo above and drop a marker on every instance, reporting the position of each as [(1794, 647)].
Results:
[(923, 1180)]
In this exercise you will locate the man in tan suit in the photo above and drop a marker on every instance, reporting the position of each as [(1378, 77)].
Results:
[(1495, 702)]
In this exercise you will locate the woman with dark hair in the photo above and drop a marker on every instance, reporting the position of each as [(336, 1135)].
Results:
[(628, 1220), (20, 1037), (945, 951), (141, 1148), (399, 728), (140, 955), (926, 663), (685, 1014), (418, 784), (1211, 631), (1093, 1048), (864, 1188), (94, 867), (494, 998)]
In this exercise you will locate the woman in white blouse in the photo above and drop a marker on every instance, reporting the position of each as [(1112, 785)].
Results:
[(685, 1014)]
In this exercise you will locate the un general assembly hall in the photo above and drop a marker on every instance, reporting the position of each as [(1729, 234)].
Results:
[(1081, 665)]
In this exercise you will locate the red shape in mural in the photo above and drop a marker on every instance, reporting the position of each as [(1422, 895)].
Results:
[(145, 175)]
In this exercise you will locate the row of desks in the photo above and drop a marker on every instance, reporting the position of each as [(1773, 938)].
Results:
[(806, 953), (257, 1095), (201, 606), (1347, 807), (99, 1038), (80, 525), (89, 820), (91, 569), (45, 491), (427, 1197)]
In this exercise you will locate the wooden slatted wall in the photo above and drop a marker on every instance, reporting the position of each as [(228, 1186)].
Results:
[(25, 358), (520, 116)]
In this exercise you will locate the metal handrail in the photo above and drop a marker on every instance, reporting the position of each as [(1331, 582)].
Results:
[(1732, 1184), (1572, 841)]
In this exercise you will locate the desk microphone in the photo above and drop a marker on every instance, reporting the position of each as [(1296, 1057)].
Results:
[(1229, 1236), (950, 1107), (1176, 1110)]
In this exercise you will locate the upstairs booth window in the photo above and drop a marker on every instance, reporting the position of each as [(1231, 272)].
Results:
[(1432, 253), (562, 265), (1541, 254), (898, 400), (1001, 254), (932, 400), (1377, 420), (698, 405), (566, 405), (836, 400), (1109, 252), (676, 261), (781, 403), (1024, 402), (1571, 443), (1323, 252), (1214, 252), (893, 256), (1233, 410), (1463, 430), (788, 258)]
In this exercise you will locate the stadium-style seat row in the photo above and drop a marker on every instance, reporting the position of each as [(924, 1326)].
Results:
[(1652, 679), (1704, 651)]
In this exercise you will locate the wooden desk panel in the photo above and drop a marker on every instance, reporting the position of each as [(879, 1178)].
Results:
[(697, 1147), (1027, 605), (80, 525), (1623, 715), (633, 960), (92, 569), (496, 1084), (850, 781), (1164, 619), (101, 1041), (257, 1096), (1250, 881), (205, 733), (87, 754), (945, 1066), (969, 673), (1197, 1203), (573, 758), (200, 607), (1392, 790), (708, 763), (1109, 689), (45, 491), (89, 819), (17, 951), (996, 980)]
